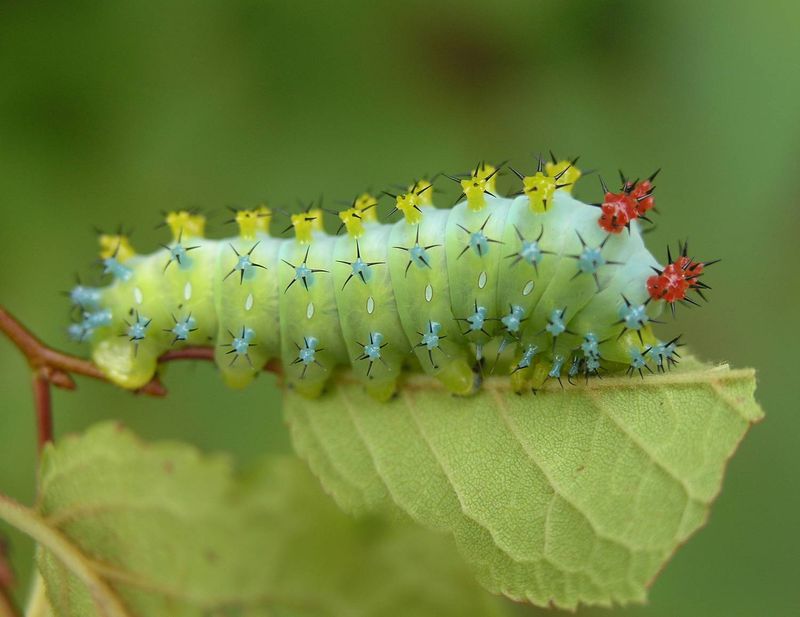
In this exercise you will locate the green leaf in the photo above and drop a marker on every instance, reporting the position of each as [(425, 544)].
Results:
[(126, 529), (568, 497)]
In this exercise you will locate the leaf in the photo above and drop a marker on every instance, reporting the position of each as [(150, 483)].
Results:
[(125, 528), (563, 498)]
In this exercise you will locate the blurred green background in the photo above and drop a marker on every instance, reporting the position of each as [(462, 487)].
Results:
[(110, 113)]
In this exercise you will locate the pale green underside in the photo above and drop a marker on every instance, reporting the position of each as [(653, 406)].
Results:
[(165, 531), (563, 498)]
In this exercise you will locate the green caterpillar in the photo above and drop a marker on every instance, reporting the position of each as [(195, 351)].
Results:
[(536, 286)]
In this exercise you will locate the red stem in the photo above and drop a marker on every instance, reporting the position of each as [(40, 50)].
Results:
[(53, 367), (44, 409)]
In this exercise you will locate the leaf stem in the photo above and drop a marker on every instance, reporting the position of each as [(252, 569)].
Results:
[(38, 605), (30, 523)]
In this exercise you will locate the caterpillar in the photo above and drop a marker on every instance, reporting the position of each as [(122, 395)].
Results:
[(536, 286)]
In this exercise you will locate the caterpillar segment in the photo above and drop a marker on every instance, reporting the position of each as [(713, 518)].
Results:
[(537, 286)]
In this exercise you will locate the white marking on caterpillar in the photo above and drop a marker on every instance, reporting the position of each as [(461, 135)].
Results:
[(428, 292), (310, 310), (248, 303), (370, 305), (137, 295), (482, 280), (187, 291), (528, 288)]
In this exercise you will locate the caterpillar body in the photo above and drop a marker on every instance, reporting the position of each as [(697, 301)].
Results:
[(536, 286)]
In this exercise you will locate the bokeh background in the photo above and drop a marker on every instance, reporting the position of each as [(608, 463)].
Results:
[(111, 112)]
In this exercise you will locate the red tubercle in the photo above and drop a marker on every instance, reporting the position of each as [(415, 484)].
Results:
[(670, 287), (642, 192), (617, 210), (690, 270), (676, 279)]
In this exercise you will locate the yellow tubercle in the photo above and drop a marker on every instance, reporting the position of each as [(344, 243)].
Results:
[(264, 218), (409, 205), (303, 224), (185, 224), (540, 189), (423, 190), (315, 214), (367, 207), (353, 222), (474, 192), (115, 245), (481, 182), (569, 173), (247, 220), (488, 173)]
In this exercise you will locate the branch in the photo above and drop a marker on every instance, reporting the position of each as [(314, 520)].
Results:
[(7, 608), (53, 367)]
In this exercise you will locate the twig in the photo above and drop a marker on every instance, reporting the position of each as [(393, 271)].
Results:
[(56, 368), (44, 409)]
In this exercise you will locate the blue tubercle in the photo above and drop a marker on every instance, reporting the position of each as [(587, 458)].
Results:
[(180, 254), (590, 260), (665, 354), (590, 346), (555, 370), (431, 338), (85, 297), (555, 325), (304, 274), (479, 243), (514, 319), (361, 270), (531, 253), (634, 317), (240, 345), (307, 353), (183, 328), (137, 330), (477, 319), (419, 256), (372, 350), (527, 358), (115, 268)]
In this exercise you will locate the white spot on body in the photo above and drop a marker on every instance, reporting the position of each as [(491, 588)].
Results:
[(187, 291), (310, 310), (248, 303), (370, 305), (482, 280), (428, 292), (528, 288), (137, 295)]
